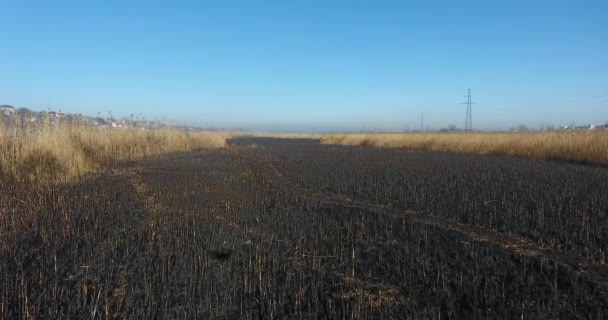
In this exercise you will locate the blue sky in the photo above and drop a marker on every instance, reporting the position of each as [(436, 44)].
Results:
[(310, 65)]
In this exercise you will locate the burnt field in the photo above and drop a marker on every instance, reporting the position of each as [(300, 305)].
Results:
[(279, 228)]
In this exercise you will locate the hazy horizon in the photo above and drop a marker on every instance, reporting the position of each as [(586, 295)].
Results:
[(313, 66)]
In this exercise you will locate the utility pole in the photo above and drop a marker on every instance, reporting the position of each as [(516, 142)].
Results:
[(421, 122), (468, 122)]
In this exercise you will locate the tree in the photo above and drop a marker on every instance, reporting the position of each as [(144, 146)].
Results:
[(24, 111)]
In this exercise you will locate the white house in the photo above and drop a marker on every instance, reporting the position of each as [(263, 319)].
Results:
[(55, 114), (7, 110)]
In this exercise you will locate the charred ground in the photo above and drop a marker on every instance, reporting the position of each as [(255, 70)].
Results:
[(270, 228)]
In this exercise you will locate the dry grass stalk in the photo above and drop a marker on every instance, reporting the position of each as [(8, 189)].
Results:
[(37, 152), (579, 146), (377, 295)]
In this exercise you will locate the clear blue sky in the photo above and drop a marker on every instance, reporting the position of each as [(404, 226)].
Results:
[(310, 65)]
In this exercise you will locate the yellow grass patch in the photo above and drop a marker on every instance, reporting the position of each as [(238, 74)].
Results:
[(585, 146), (46, 152)]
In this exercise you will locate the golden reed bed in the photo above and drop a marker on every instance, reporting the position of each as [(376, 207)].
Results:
[(581, 146), (59, 153)]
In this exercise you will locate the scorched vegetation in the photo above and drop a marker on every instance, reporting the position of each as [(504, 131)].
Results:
[(270, 228)]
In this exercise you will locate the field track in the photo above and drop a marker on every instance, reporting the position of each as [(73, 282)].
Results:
[(275, 228)]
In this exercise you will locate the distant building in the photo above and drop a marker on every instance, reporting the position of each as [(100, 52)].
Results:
[(7, 110), (55, 114)]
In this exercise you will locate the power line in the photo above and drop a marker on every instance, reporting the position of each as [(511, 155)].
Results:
[(468, 122)]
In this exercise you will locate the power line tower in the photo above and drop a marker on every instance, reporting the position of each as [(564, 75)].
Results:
[(468, 122)]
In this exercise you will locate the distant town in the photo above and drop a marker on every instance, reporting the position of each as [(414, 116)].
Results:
[(103, 121), (108, 120)]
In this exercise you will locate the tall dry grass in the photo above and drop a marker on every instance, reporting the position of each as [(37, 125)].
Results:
[(43, 151), (580, 146)]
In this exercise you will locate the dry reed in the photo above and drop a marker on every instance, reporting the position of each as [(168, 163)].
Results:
[(579, 146), (42, 152)]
